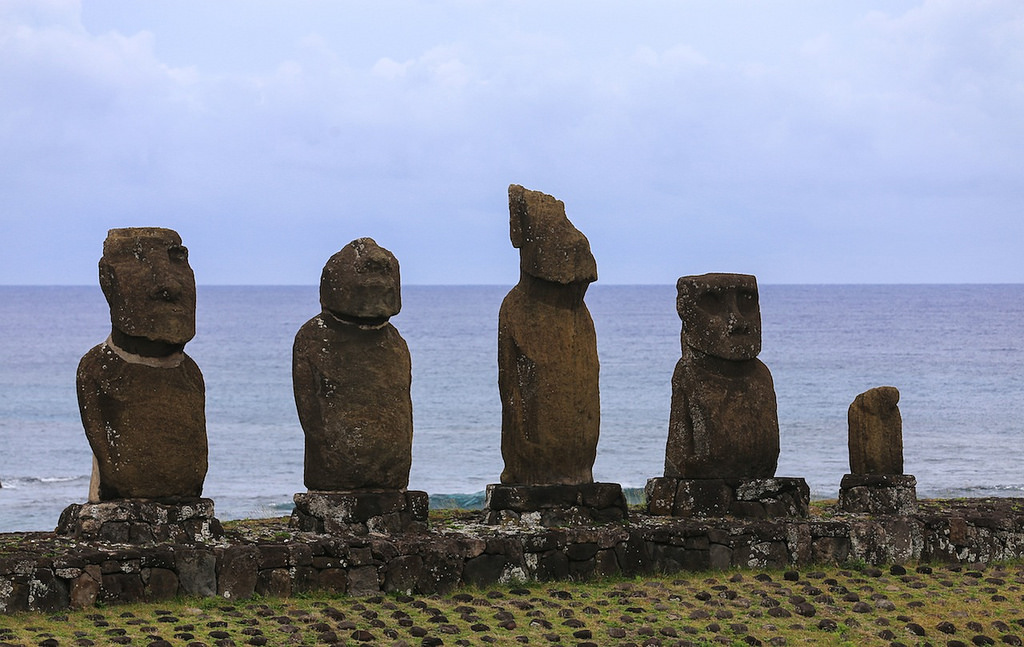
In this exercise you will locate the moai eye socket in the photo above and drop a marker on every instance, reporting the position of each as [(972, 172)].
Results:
[(746, 302), (710, 301)]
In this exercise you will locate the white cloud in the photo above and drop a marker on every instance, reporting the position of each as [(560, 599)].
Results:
[(786, 127)]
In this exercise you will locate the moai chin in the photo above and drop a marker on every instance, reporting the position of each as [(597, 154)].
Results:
[(547, 349), (724, 421), (352, 373), (141, 398)]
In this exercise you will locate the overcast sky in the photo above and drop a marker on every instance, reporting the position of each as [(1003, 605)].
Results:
[(803, 141)]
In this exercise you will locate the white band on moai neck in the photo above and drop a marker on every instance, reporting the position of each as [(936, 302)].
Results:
[(168, 361)]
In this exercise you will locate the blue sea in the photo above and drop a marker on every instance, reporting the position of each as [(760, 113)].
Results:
[(956, 352)]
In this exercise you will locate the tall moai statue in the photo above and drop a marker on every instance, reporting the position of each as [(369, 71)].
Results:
[(876, 482), (723, 437), (351, 374), (142, 399), (548, 372)]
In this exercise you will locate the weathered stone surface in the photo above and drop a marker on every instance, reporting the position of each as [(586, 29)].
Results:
[(876, 432), (547, 349), (142, 521), (555, 505), (724, 421), (878, 493), (762, 498), (361, 511), (141, 397), (351, 374), (44, 572)]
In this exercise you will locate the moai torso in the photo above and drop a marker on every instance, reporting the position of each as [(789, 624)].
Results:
[(141, 398), (352, 373), (547, 350), (724, 421)]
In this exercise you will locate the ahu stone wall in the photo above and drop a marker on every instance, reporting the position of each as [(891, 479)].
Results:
[(39, 571)]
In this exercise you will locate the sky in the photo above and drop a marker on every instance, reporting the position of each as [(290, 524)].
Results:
[(800, 141)]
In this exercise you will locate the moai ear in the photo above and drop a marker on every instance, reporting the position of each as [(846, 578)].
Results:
[(517, 213)]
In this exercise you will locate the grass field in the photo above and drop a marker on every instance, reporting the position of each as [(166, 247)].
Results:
[(853, 604)]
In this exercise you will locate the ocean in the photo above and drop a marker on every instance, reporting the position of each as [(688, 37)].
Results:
[(956, 352)]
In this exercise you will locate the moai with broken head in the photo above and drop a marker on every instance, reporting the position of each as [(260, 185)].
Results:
[(876, 483), (723, 438), (142, 399), (351, 374), (548, 376)]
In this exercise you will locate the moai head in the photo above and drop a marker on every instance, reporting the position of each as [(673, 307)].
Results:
[(550, 248), (720, 314), (361, 283), (146, 278)]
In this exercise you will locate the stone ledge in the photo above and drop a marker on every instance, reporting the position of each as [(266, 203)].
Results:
[(758, 498), (142, 521), (878, 493), (555, 505), (361, 511), (47, 572)]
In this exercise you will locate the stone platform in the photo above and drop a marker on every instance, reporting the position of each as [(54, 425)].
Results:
[(762, 498), (49, 572), (555, 505), (142, 521), (360, 512), (878, 494)]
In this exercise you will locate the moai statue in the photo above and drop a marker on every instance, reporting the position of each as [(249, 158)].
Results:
[(723, 422), (547, 358), (351, 374), (876, 482), (141, 398), (723, 437), (876, 432), (547, 349)]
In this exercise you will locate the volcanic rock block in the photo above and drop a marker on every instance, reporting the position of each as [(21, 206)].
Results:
[(878, 493), (141, 398), (555, 505), (360, 512), (761, 498), (137, 521), (723, 421), (547, 349), (351, 373)]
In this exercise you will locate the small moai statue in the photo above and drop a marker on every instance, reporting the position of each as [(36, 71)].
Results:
[(723, 438), (142, 399), (351, 374), (876, 482), (548, 373)]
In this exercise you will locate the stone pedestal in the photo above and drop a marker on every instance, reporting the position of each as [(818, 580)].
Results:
[(387, 512), (746, 498), (142, 521), (555, 505), (878, 494)]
